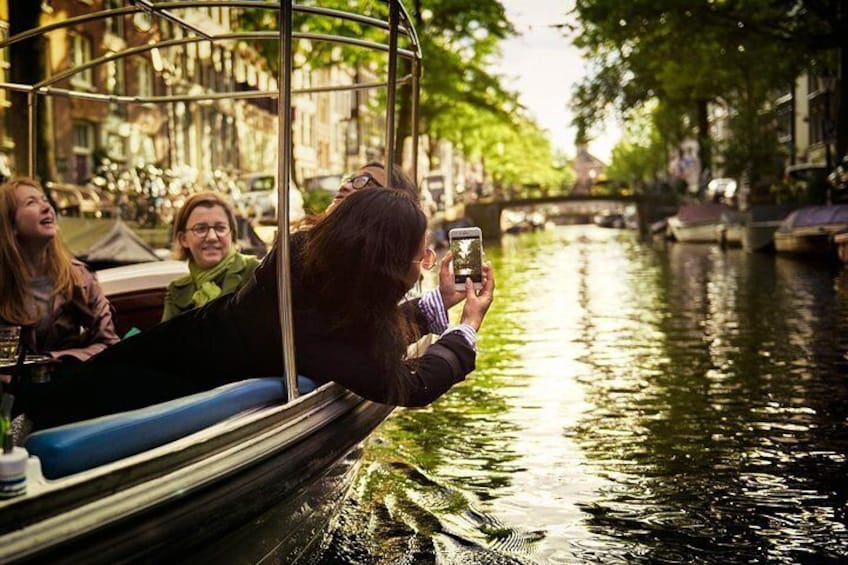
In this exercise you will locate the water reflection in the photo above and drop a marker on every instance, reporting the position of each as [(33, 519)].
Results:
[(631, 404), (716, 444)]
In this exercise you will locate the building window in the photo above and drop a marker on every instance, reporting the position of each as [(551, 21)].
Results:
[(83, 151), (143, 22), (80, 54), (5, 102), (785, 115), (115, 82), (144, 78), (308, 128), (817, 118), (115, 24)]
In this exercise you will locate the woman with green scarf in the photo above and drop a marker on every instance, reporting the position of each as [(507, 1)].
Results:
[(205, 234)]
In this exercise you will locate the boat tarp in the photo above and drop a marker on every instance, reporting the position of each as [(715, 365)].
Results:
[(104, 242), (810, 216), (732, 216), (702, 213)]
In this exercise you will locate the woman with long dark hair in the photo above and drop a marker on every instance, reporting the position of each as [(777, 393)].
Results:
[(349, 273), (371, 175)]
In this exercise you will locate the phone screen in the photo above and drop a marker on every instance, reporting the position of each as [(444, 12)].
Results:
[(467, 259)]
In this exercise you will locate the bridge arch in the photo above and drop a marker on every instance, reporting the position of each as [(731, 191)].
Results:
[(487, 215)]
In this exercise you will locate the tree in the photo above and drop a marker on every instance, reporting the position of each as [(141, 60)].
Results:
[(640, 156), (461, 101), (804, 30), (458, 41), (686, 55)]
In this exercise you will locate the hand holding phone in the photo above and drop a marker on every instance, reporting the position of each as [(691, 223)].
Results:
[(478, 303), (466, 245), (447, 287)]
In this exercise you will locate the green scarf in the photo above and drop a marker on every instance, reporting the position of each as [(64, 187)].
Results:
[(204, 279)]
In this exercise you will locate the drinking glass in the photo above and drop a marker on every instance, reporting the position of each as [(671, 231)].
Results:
[(10, 343)]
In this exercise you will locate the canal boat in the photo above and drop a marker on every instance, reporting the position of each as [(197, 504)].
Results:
[(809, 231), (761, 221), (251, 471), (609, 220), (697, 223), (730, 228), (840, 240)]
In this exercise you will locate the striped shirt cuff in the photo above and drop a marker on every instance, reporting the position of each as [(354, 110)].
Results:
[(467, 332), (433, 309)]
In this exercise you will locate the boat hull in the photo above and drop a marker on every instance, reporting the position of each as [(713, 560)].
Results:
[(759, 236), (810, 231), (698, 233), (729, 235), (818, 244), (296, 472), (840, 240)]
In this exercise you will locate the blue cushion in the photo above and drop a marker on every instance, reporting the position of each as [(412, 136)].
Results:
[(75, 447), (305, 385)]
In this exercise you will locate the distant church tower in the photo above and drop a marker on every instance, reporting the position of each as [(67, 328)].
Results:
[(588, 168)]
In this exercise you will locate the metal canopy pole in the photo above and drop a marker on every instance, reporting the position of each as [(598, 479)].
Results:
[(416, 83), (32, 108), (284, 119), (391, 88)]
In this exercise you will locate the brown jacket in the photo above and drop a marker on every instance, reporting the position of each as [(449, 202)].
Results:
[(80, 328)]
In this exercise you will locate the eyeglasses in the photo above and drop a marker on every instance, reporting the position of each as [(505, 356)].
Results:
[(359, 182), (202, 230), (428, 261)]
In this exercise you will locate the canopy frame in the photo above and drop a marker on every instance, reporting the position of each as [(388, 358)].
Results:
[(397, 24)]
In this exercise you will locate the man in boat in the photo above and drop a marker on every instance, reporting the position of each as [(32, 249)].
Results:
[(349, 273)]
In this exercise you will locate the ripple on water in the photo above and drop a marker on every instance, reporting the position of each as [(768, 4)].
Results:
[(645, 405)]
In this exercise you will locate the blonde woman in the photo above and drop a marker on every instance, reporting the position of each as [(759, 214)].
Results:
[(56, 299), (205, 235)]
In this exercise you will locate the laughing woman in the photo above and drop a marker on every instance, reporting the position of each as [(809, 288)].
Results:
[(56, 299), (205, 235)]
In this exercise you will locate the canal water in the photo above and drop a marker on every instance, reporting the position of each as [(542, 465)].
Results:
[(633, 403)]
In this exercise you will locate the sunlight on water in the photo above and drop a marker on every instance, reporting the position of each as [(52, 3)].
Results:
[(632, 404)]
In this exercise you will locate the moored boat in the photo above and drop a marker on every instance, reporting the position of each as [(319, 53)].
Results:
[(840, 240), (609, 220), (730, 228), (809, 231), (697, 223), (761, 221)]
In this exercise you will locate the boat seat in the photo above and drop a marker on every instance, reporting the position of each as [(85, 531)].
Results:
[(140, 309), (72, 448)]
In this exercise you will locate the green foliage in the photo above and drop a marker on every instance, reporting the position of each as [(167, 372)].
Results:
[(640, 155), (687, 53), (461, 101), (316, 201)]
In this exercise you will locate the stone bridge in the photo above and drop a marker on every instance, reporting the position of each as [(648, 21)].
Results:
[(487, 215)]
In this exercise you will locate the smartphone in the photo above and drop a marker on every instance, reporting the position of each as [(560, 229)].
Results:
[(466, 244)]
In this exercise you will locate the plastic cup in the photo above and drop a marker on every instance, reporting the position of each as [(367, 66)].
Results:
[(13, 472)]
